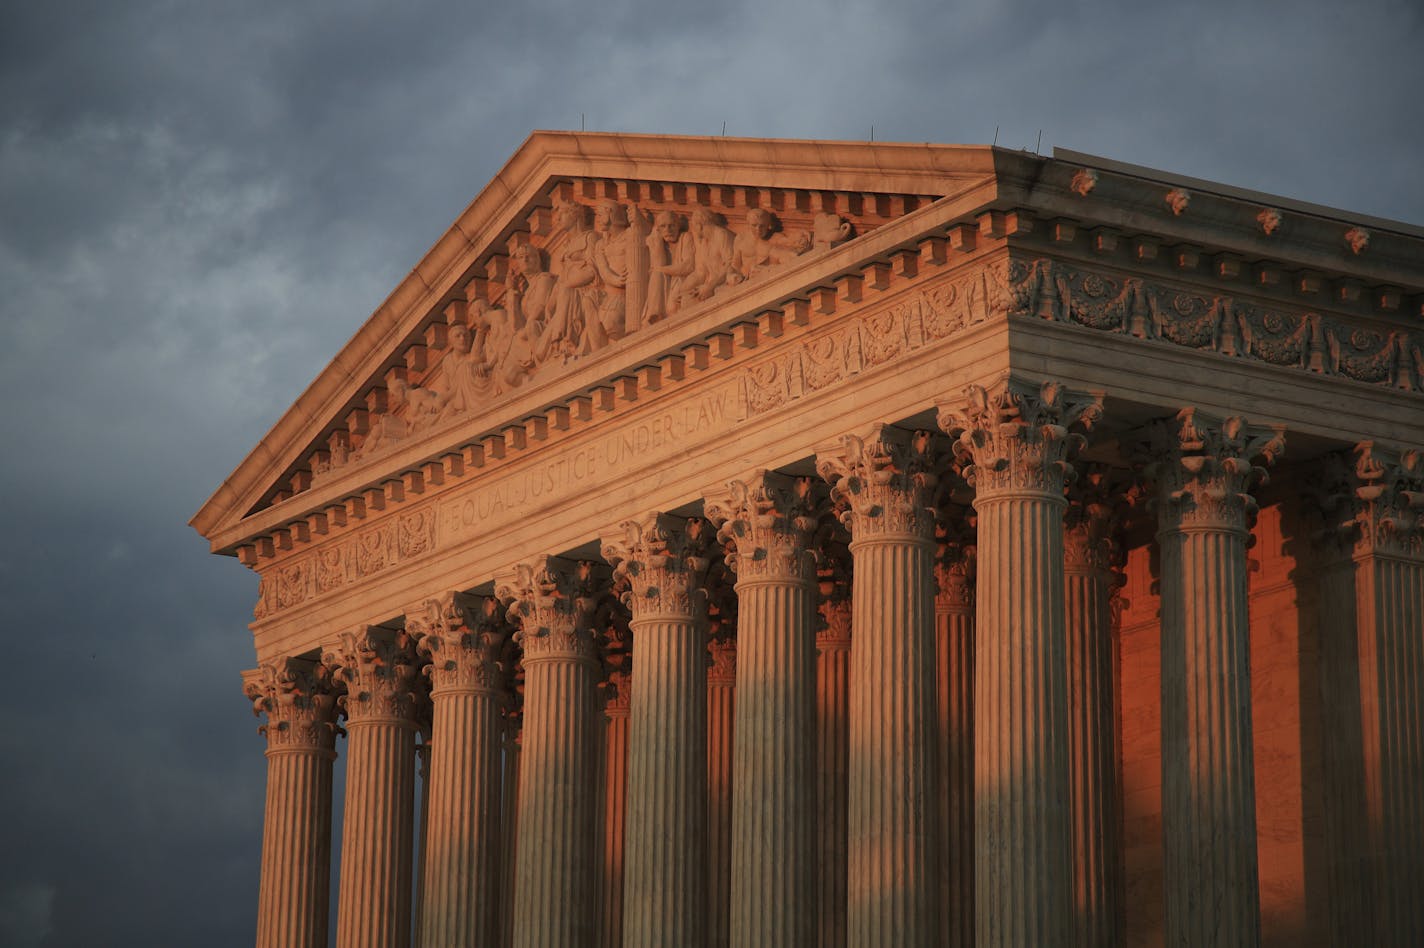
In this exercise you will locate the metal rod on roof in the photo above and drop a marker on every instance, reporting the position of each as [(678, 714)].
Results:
[(996, 136)]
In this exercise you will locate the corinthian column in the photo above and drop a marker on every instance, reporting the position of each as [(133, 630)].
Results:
[(832, 743), (1373, 697), (663, 562), (1091, 572), (954, 669), (766, 523), (1203, 471), (882, 482), (551, 605), (1016, 443), (462, 636), (301, 729), (378, 669)]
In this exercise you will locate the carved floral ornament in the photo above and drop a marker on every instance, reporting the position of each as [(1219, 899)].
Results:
[(882, 482), (1018, 436), (767, 522), (378, 668), (299, 699), (464, 638), (1204, 468), (1372, 501), (663, 562), (608, 270), (553, 603)]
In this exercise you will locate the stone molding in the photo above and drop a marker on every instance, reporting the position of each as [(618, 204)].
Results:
[(1018, 436), (299, 699), (765, 523)]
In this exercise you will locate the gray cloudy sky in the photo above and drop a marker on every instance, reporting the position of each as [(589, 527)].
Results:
[(200, 202)]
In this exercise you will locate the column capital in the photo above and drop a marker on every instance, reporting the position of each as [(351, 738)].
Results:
[(463, 636), (765, 522), (299, 699), (882, 480), (722, 653), (834, 577), (1098, 501), (662, 561), (552, 603), (1371, 500), (1019, 435), (1204, 468), (378, 669)]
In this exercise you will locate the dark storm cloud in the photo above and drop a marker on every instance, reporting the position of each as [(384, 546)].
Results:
[(200, 203)]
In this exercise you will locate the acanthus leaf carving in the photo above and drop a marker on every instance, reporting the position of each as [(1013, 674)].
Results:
[(765, 523), (1098, 502), (1205, 469), (553, 603), (663, 562), (299, 699), (378, 668), (883, 481), (463, 636), (1385, 504), (1019, 436)]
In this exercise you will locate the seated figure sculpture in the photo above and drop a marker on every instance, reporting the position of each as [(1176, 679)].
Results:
[(672, 259)]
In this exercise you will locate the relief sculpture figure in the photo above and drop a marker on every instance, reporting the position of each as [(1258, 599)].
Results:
[(574, 303), (760, 248), (712, 248), (671, 259), (621, 258), (468, 382)]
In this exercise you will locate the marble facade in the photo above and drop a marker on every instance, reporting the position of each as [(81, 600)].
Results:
[(722, 542)]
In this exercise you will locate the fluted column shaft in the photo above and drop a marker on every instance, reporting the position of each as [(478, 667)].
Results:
[(1210, 882), (954, 692), (663, 562), (1089, 582), (509, 825), (296, 831), (553, 895), (1016, 442), (1373, 691), (1022, 889), (832, 765), (614, 798), (378, 829), (461, 859), (767, 528), (882, 482), (721, 710)]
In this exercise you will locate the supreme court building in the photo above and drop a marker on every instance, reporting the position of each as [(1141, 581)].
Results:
[(725, 542)]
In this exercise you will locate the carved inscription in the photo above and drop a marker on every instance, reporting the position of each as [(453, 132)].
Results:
[(606, 459), (425, 529)]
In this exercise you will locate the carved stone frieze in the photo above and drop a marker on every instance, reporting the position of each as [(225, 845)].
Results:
[(363, 553), (463, 636), (1204, 468), (882, 336), (1019, 436), (662, 561), (1309, 341), (299, 699), (378, 668), (766, 525), (882, 482), (552, 603), (608, 268)]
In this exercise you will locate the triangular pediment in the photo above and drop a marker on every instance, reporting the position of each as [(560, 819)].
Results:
[(582, 245)]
